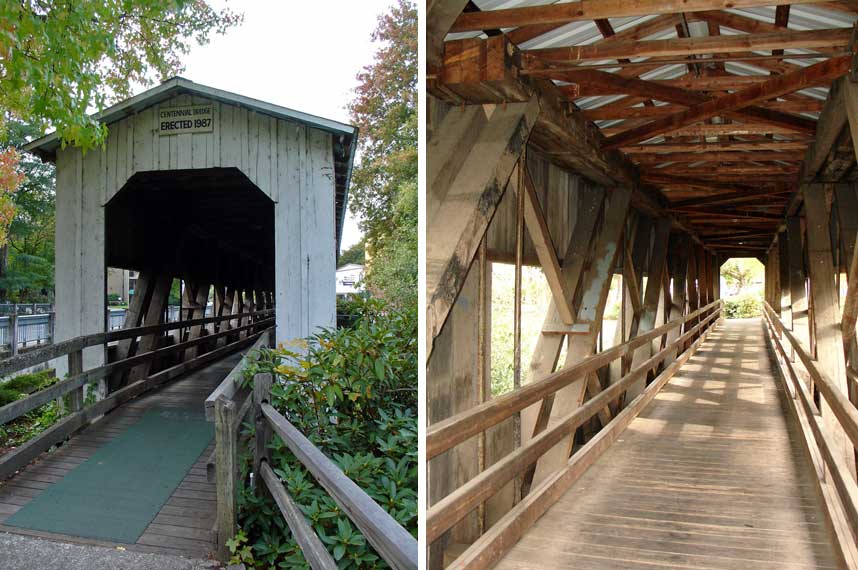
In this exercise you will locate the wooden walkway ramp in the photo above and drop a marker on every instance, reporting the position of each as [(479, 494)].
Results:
[(183, 524), (710, 475)]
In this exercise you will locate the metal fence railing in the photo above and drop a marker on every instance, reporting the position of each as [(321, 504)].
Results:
[(25, 308), (36, 328)]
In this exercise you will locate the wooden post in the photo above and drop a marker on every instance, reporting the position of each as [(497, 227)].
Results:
[(797, 280), (261, 394), (13, 333), (826, 314), (75, 365), (225, 470), (52, 325)]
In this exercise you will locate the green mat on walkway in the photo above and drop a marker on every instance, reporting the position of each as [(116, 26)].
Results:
[(116, 493)]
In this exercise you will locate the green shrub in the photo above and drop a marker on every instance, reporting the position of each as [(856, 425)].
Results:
[(743, 307), (32, 382), (353, 393)]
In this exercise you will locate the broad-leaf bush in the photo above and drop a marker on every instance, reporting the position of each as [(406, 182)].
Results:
[(743, 306), (353, 393)]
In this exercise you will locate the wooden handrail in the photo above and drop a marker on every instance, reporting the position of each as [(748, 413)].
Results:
[(839, 403), (315, 553), (25, 453), (229, 385), (37, 356), (497, 540), (17, 408), (843, 482), (455, 506), (452, 431), (395, 545)]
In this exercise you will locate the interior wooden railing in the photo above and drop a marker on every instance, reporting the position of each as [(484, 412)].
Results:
[(802, 377), (80, 413), (446, 434)]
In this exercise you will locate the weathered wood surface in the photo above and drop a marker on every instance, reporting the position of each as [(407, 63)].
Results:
[(445, 434), (311, 546), (229, 386), (455, 506), (709, 475), (184, 524)]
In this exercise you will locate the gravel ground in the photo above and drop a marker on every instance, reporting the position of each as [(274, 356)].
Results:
[(28, 553)]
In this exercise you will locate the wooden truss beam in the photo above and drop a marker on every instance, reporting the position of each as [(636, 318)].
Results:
[(777, 86), (541, 237), (606, 113), (768, 144), (596, 10), (467, 183), (668, 94), (593, 294), (723, 156), (823, 40)]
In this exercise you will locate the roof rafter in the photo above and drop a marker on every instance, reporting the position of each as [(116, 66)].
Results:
[(598, 9), (779, 85)]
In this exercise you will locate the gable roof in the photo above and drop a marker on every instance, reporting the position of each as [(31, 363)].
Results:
[(344, 142)]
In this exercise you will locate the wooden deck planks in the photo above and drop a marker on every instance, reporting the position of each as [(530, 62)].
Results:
[(184, 524), (711, 475)]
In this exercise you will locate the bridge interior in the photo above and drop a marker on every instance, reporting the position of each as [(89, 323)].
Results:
[(624, 151)]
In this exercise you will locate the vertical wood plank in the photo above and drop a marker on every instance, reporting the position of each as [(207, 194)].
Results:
[(826, 314), (225, 470)]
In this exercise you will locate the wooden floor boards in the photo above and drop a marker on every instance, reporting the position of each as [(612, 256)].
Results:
[(710, 476), (184, 524)]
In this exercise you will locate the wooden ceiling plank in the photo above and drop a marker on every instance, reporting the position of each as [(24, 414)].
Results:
[(821, 40), (597, 9), (735, 156), (614, 113), (773, 145), (775, 87)]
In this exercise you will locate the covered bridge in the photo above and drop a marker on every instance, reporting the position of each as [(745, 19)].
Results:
[(244, 202), (641, 144)]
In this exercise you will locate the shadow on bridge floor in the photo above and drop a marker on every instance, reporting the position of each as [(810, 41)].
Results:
[(710, 475)]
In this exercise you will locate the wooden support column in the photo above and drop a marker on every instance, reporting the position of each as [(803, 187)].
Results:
[(197, 310), (154, 316), (220, 304), (655, 273), (133, 318), (785, 301), (680, 247), (595, 284), (693, 293), (547, 350), (797, 280), (829, 341), (471, 157), (847, 216), (453, 386), (637, 249)]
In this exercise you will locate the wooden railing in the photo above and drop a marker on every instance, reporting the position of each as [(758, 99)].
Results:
[(841, 500), (445, 435), (81, 414), (392, 542)]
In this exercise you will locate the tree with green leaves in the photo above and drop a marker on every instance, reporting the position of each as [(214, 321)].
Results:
[(27, 253), (739, 273), (354, 254), (61, 60), (384, 183)]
